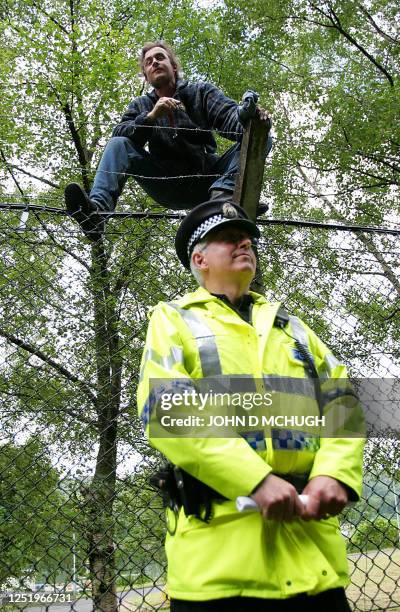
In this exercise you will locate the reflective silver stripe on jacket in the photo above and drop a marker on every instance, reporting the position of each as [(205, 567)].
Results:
[(331, 362), (300, 334), (155, 397), (298, 330), (205, 340), (334, 394), (167, 362), (286, 384), (227, 383)]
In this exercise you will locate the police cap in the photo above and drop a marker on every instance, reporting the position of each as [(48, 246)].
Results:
[(206, 217)]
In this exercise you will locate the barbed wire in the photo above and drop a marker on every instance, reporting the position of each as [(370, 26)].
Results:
[(18, 205), (304, 141), (178, 129), (317, 145), (269, 162), (39, 197), (157, 127), (164, 178), (179, 215), (75, 232), (224, 133)]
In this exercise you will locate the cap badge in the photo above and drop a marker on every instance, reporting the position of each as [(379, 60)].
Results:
[(229, 211)]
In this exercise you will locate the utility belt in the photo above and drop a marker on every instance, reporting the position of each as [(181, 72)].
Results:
[(180, 489)]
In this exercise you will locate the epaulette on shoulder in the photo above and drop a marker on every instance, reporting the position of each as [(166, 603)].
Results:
[(174, 303), (281, 318), (156, 307)]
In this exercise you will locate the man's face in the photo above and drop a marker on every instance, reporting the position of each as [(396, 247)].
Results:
[(229, 254), (158, 68)]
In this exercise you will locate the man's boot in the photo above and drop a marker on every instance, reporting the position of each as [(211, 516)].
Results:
[(225, 195), (84, 211), (221, 194)]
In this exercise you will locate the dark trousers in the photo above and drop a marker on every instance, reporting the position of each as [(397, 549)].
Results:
[(333, 600), (122, 158)]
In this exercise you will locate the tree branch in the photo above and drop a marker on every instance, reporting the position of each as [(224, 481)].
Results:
[(372, 175), (53, 19), (35, 243), (366, 240), (29, 348), (38, 178), (97, 129), (18, 186), (127, 266), (332, 16), (379, 160), (371, 20), (28, 397), (79, 142), (80, 149), (59, 245), (319, 10), (313, 21)]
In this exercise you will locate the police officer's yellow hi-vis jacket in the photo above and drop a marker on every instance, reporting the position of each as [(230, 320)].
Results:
[(242, 554)]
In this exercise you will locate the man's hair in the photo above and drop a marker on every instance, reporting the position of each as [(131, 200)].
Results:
[(160, 43), (198, 248)]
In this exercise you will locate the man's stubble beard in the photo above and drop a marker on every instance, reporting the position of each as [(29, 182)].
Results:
[(162, 81)]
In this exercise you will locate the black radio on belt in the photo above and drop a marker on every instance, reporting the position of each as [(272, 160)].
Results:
[(180, 489)]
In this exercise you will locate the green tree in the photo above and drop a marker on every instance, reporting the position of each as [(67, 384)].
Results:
[(72, 316), (32, 510), (374, 535), (73, 65), (329, 73), (140, 532)]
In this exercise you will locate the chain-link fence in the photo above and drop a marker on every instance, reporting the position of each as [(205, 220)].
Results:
[(80, 527)]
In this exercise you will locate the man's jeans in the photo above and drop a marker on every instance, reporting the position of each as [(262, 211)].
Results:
[(122, 158)]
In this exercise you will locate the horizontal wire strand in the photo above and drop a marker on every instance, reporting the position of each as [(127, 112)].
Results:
[(180, 215)]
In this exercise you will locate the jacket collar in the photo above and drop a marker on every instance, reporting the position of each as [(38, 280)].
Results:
[(180, 84), (201, 296)]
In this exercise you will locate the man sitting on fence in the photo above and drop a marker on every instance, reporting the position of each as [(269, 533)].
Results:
[(289, 556), (181, 168)]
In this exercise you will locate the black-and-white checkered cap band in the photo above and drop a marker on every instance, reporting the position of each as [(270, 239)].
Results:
[(203, 229)]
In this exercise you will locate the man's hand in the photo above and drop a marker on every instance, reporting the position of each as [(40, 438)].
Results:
[(248, 109), (327, 497), (263, 115), (163, 107), (278, 499)]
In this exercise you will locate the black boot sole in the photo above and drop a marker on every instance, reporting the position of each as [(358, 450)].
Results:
[(83, 211)]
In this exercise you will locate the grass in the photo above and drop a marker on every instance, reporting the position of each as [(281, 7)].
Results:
[(375, 580), (375, 584), (152, 601)]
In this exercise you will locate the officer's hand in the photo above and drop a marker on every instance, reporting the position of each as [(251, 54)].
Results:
[(163, 107), (327, 497), (278, 499)]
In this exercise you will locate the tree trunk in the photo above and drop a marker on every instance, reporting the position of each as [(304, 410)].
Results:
[(101, 493)]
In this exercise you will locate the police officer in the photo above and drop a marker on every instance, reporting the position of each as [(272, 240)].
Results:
[(288, 556)]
